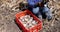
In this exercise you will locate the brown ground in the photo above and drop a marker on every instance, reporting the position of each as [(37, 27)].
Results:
[(8, 11)]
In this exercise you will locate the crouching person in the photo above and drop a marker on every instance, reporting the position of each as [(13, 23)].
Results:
[(39, 8)]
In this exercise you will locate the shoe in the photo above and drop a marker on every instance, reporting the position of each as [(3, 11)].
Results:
[(40, 17), (49, 16)]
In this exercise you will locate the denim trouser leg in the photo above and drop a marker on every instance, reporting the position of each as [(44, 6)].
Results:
[(47, 11), (35, 10)]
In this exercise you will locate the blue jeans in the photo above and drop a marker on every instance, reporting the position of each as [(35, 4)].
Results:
[(41, 10), (47, 12), (35, 10)]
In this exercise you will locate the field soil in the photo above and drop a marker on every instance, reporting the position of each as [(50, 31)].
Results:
[(8, 9)]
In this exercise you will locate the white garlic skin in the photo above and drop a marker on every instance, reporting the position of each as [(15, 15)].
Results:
[(28, 21)]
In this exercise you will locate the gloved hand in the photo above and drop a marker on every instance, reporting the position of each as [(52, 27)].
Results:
[(45, 1)]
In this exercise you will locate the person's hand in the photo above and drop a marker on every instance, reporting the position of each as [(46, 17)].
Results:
[(39, 4), (45, 1)]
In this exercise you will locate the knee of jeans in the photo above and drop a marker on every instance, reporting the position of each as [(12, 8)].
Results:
[(36, 10), (46, 9)]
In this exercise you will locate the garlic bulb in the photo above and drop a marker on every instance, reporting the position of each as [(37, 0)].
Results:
[(25, 25), (22, 17), (28, 21), (34, 22)]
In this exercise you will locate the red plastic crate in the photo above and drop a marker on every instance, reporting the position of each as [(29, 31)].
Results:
[(35, 28)]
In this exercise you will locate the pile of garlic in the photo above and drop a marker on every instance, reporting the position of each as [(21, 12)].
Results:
[(28, 21)]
